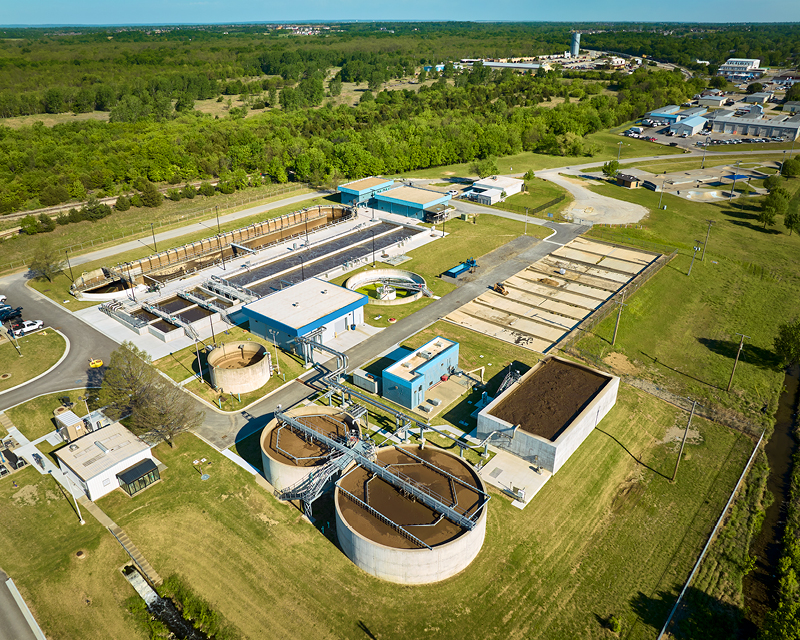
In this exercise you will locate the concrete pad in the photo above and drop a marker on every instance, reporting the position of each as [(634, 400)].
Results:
[(506, 335), (347, 340), (630, 255), (536, 313), (525, 325), (506, 470), (446, 393), (564, 285), (576, 276), (554, 294)]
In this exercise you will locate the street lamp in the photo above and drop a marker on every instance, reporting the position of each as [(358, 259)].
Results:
[(373, 248), (216, 208), (619, 149), (661, 197)]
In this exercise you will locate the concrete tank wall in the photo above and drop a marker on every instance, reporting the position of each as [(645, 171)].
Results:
[(551, 454), (244, 378), (368, 277), (279, 474), (411, 566)]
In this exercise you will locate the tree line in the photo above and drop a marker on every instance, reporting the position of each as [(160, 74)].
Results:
[(485, 114)]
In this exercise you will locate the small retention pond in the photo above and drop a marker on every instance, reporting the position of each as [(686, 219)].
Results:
[(760, 586)]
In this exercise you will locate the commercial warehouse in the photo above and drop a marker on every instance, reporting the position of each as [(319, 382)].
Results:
[(755, 124), (689, 126)]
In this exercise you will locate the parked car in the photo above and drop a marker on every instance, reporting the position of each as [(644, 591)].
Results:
[(10, 314), (453, 192), (27, 326), (2, 298)]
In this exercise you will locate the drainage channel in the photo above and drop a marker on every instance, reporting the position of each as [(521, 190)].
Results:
[(163, 609), (760, 586)]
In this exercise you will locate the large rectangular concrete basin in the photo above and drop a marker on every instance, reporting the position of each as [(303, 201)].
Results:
[(551, 454)]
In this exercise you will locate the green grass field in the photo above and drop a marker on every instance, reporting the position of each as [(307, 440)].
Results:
[(40, 351), (608, 535), (682, 330), (35, 417)]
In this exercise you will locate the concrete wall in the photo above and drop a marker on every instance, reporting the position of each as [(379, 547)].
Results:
[(240, 380), (551, 455)]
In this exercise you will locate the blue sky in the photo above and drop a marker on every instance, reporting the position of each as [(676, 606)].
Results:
[(35, 12)]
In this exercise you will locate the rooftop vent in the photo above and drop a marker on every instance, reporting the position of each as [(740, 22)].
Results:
[(101, 446), (73, 447)]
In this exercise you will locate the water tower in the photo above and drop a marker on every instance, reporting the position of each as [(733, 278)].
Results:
[(575, 48)]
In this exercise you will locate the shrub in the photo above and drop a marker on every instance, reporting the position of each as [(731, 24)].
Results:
[(136, 200), (226, 186), (151, 196), (207, 189), (615, 624), (30, 225), (62, 219), (174, 194), (122, 204), (189, 192)]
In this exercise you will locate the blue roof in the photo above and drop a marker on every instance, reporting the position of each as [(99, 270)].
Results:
[(694, 121)]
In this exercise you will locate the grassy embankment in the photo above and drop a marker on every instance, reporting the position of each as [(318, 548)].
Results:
[(58, 290), (40, 351), (607, 535)]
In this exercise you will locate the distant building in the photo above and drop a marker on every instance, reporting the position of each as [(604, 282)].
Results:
[(407, 381), (616, 61), (428, 68), (762, 97), (688, 126), (711, 101), (792, 107), (740, 68), (787, 79), (754, 123)]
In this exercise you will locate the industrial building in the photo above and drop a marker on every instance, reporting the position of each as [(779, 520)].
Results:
[(762, 97), (407, 381), (98, 463), (755, 123), (629, 181), (672, 113), (313, 309), (688, 127), (575, 45), (787, 79), (494, 189), (740, 68), (792, 107), (362, 191), (546, 414), (712, 101), (411, 202)]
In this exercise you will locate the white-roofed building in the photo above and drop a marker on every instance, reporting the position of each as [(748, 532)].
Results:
[(113, 457), (494, 189)]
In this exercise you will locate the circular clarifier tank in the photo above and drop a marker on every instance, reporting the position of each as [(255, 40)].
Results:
[(389, 534), (385, 286), (239, 367), (289, 456)]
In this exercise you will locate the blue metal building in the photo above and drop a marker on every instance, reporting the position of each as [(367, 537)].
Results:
[(362, 191), (407, 381), (411, 202)]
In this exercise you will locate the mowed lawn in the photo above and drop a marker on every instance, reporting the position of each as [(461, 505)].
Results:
[(607, 535), (40, 351), (681, 329)]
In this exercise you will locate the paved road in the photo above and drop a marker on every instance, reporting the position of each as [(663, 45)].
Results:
[(13, 625)]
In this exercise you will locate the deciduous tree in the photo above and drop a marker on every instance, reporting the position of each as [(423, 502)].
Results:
[(47, 261), (787, 342)]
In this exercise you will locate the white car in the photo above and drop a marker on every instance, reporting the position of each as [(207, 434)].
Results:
[(2, 298), (28, 326), (452, 193)]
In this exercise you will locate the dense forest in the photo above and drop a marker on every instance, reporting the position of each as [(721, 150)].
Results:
[(481, 114)]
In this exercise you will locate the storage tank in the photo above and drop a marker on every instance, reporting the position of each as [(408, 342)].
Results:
[(392, 536), (575, 48), (239, 367), (289, 456)]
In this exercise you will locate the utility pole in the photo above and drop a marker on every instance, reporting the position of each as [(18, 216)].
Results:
[(705, 146), (155, 246), (663, 184), (683, 442), (619, 149), (217, 210), (735, 175), (275, 345), (620, 304), (694, 255), (71, 277), (736, 361), (526, 221), (705, 244)]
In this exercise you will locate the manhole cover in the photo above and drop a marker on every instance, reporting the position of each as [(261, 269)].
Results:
[(205, 476), (496, 473)]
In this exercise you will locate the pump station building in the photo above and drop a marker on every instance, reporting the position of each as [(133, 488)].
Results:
[(382, 194), (314, 309), (407, 380)]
